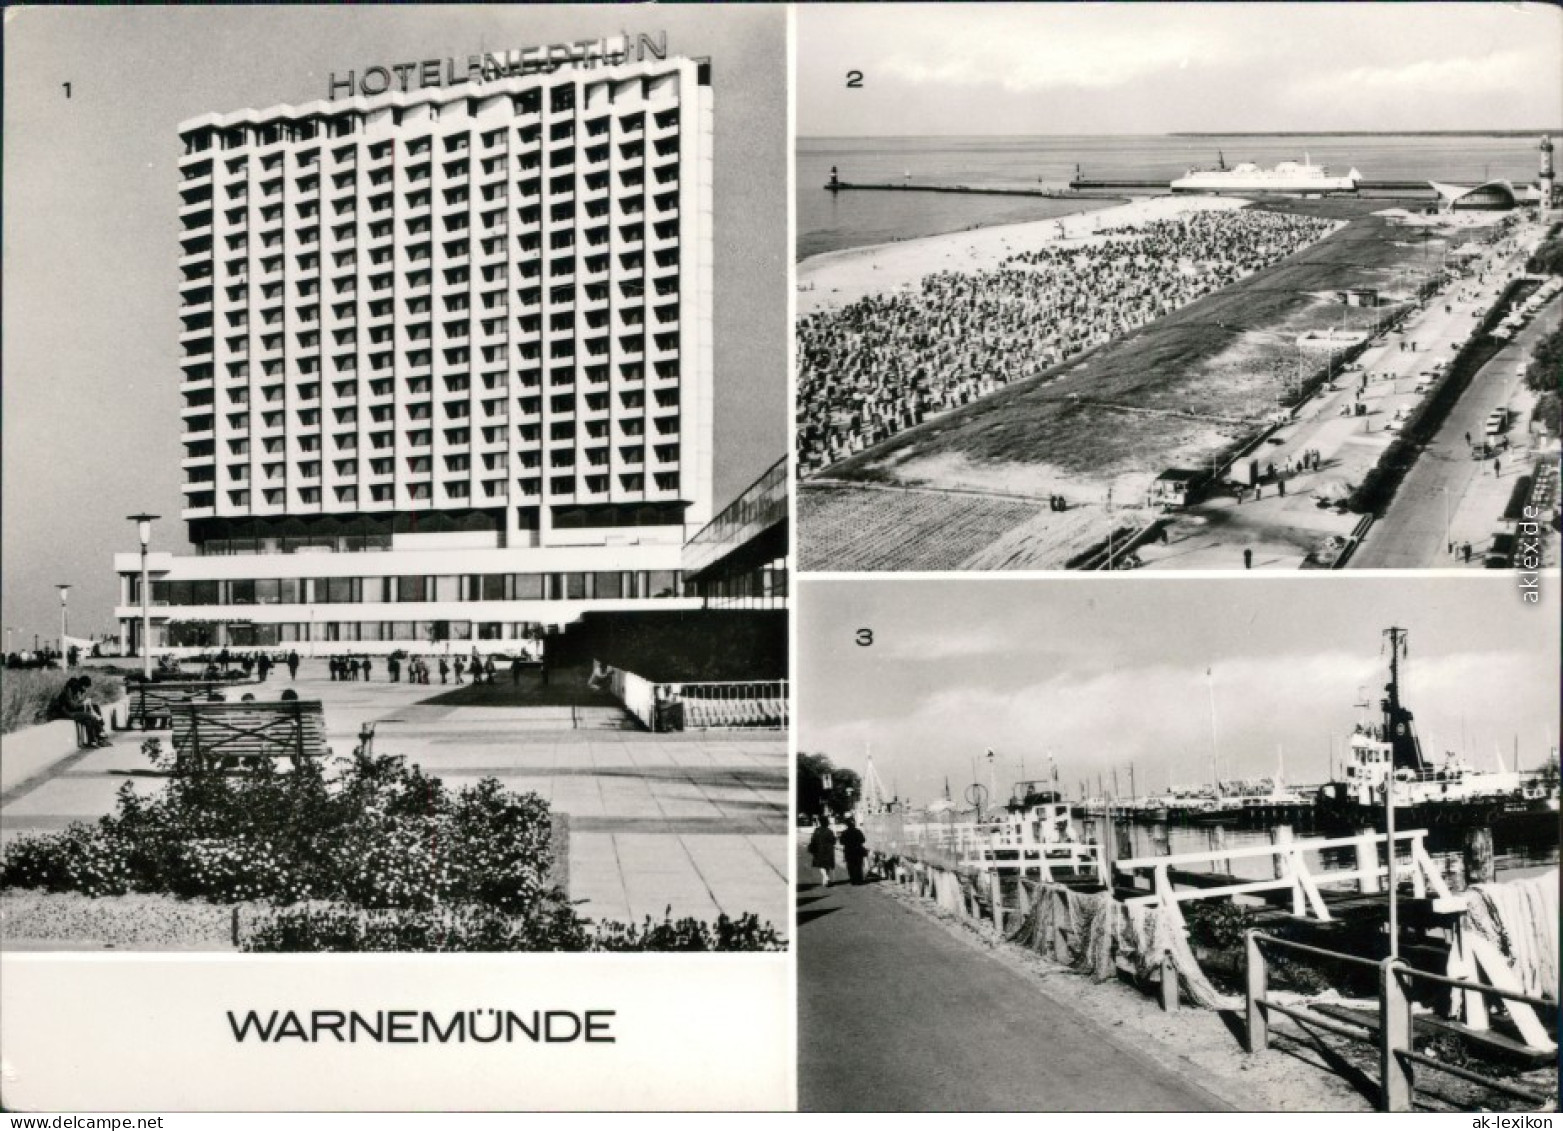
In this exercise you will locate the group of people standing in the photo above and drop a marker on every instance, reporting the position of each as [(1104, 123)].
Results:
[(350, 669), (822, 850)]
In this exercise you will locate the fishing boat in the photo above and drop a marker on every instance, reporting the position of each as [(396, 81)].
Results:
[(1033, 835)]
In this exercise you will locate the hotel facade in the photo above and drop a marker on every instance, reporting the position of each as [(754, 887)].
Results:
[(447, 364)]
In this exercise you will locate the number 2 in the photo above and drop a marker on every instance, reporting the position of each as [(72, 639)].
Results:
[(854, 79)]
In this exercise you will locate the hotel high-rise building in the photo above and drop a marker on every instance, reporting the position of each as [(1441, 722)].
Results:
[(446, 345)]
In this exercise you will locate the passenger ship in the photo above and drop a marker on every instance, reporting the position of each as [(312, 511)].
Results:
[(1288, 177)]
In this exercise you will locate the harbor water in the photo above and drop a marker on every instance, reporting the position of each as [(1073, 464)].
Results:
[(833, 221)]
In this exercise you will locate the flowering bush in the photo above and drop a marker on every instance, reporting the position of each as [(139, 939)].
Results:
[(381, 835), (551, 924), (381, 858)]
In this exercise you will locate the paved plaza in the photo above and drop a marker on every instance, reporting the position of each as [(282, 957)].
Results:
[(695, 822)]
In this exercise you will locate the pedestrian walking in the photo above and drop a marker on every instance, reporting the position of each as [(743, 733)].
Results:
[(293, 665), (854, 850), (1248, 559), (263, 667), (490, 670), (368, 669), (1496, 467), (515, 672), (445, 669), (460, 666), (822, 850)]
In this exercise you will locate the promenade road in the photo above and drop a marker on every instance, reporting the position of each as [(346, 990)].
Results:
[(1411, 533), (1282, 531), (695, 821), (896, 1015)]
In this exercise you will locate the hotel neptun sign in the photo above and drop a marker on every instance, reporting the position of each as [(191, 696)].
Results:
[(429, 73)]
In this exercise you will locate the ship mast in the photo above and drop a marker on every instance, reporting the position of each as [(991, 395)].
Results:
[(1398, 728), (1215, 776)]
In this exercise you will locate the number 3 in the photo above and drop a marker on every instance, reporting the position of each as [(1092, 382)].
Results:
[(865, 637)]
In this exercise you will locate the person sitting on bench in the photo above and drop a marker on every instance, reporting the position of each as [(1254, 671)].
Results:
[(72, 703)]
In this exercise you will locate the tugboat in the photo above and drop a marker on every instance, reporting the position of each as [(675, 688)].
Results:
[(1426, 792)]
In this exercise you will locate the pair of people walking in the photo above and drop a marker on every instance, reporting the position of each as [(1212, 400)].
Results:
[(822, 850)]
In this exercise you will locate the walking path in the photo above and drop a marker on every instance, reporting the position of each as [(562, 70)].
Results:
[(1447, 485), (695, 821), (896, 1015)]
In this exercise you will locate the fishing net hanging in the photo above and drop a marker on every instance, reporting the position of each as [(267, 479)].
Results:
[(1520, 918)]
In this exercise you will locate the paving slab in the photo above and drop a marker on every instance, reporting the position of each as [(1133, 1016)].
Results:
[(686, 820)]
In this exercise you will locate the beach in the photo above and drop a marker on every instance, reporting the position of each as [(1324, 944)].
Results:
[(837, 278)]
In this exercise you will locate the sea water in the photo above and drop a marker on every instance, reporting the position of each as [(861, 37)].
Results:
[(831, 221)]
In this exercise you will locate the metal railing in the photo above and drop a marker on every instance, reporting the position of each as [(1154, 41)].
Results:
[(746, 705), (1395, 1029)]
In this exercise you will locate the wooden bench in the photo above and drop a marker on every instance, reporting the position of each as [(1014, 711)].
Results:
[(150, 704), (210, 736)]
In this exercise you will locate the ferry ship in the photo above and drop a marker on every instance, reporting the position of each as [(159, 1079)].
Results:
[(1287, 177), (1426, 791)]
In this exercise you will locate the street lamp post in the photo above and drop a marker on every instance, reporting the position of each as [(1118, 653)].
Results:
[(64, 590), (144, 533)]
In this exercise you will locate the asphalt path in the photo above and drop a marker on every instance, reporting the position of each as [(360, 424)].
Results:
[(1411, 533), (895, 1014)]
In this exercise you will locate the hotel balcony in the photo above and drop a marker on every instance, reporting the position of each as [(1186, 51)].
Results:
[(195, 207)]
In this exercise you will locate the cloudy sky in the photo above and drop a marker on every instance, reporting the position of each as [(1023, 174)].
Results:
[(964, 69), (91, 393), (1101, 672)]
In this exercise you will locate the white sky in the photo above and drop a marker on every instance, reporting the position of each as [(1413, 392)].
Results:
[(966, 69), (1105, 671)]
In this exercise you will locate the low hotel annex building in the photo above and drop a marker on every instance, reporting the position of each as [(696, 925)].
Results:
[(446, 354)]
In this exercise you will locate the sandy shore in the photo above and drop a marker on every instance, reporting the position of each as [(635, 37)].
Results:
[(840, 277)]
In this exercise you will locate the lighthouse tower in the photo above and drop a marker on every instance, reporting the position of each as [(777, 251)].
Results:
[(1544, 181)]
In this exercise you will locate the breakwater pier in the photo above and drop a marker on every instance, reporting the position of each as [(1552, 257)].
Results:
[(958, 190)]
